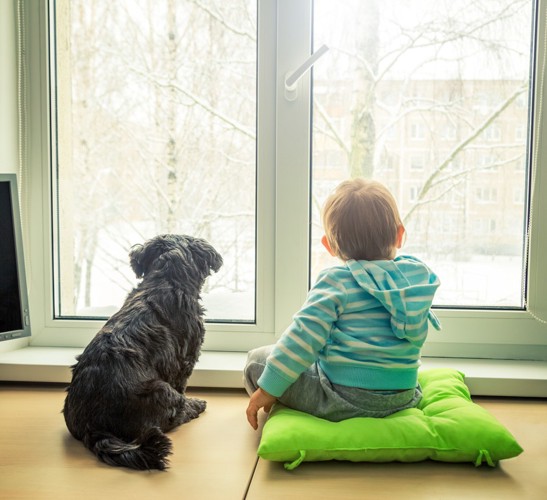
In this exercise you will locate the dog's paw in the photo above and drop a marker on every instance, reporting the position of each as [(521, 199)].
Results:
[(198, 405), (189, 409)]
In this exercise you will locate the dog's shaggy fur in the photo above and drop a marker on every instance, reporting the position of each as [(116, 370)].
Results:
[(128, 385)]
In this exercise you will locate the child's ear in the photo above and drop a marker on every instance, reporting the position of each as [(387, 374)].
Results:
[(326, 245), (400, 236)]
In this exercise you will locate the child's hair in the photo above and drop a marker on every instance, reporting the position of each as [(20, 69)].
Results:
[(361, 221)]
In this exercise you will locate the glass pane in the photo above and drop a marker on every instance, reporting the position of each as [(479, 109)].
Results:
[(432, 98), (156, 115)]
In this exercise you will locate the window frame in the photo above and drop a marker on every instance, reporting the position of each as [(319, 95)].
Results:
[(51, 331), (283, 211)]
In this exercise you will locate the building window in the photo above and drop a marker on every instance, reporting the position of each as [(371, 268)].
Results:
[(449, 132), (417, 131), (417, 162), (486, 194), (493, 133)]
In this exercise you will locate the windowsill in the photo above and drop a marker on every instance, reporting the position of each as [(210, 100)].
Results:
[(52, 364), (224, 370)]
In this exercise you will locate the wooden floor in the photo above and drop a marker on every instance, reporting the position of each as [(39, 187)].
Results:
[(215, 458)]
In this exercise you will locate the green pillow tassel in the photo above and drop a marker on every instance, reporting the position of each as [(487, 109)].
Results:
[(294, 464), (484, 456)]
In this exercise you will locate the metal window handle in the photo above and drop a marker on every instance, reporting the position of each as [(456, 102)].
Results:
[(291, 79)]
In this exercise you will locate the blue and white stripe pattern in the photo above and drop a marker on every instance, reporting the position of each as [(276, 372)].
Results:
[(365, 322)]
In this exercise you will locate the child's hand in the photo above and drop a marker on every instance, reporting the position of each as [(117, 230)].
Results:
[(259, 399)]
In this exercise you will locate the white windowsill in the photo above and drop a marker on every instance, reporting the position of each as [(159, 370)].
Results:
[(224, 370), (52, 364)]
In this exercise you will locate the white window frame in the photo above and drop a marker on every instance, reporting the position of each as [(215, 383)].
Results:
[(283, 207)]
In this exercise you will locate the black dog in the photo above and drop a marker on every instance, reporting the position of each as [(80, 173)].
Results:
[(128, 385)]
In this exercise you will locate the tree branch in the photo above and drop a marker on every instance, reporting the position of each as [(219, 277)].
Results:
[(217, 17), (430, 182)]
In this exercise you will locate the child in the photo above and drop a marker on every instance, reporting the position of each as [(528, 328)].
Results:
[(354, 347)]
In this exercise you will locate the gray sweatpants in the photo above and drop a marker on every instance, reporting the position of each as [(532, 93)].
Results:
[(313, 393)]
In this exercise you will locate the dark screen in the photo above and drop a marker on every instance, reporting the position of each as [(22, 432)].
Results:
[(10, 302)]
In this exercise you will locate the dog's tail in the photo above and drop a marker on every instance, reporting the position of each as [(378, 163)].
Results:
[(149, 451)]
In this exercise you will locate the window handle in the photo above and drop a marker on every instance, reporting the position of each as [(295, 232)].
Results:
[(292, 78)]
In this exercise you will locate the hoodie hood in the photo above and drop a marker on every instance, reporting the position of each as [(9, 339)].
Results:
[(405, 286)]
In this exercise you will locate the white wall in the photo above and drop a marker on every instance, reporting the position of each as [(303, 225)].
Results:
[(8, 108), (8, 88)]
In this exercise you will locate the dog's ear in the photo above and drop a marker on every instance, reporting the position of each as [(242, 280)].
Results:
[(135, 260), (205, 256), (143, 257)]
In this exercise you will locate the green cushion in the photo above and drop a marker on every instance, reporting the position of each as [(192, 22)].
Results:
[(447, 426)]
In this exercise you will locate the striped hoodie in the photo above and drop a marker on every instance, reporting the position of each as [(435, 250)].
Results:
[(364, 322)]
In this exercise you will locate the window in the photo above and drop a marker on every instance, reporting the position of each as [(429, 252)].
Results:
[(493, 133), (417, 131), (449, 132), (482, 226), (156, 123), (266, 191), (486, 194), (417, 162), (421, 52), (488, 163), (155, 133), (414, 191)]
